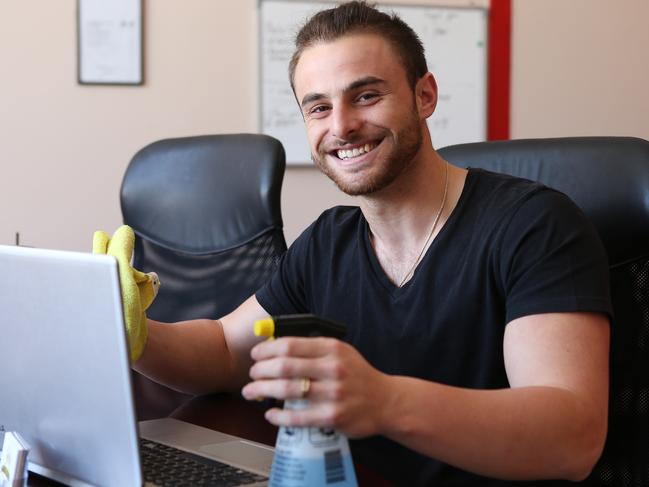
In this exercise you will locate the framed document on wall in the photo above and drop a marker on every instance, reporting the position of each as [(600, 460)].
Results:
[(109, 42)]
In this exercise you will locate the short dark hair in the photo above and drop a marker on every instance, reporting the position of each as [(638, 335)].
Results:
[(358, 17)]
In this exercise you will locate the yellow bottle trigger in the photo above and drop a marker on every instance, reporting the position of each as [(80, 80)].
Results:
[(299, 325), (265, 328)]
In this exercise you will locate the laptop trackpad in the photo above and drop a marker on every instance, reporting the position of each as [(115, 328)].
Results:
[(241, 453)]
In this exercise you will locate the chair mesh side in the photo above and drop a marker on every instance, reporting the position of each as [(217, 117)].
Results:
[(207, 286), (625, 461)]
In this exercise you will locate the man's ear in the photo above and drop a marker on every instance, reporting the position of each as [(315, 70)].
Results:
[(426, 95)]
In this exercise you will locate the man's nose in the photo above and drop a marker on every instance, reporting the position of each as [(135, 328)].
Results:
[(345, 122)]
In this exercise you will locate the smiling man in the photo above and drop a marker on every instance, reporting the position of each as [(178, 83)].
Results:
[(361, 160), (477, 303)]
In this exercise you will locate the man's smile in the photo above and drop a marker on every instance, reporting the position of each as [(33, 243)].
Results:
[(353, 151)]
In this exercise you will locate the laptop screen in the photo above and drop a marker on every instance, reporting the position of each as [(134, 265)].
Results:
[(65, 377)]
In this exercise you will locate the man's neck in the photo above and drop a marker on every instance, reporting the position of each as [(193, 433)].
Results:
[(401, 216), (404, 210)]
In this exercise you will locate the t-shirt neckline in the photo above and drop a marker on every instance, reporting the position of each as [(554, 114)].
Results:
[(393, 290)]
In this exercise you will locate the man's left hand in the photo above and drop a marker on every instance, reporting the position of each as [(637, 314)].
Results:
[(345, 393)]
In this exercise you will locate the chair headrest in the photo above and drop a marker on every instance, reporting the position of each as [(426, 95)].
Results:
[(204, 194), (608, 177)]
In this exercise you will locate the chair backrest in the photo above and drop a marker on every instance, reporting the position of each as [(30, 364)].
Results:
[(207, 218), (608, 177)]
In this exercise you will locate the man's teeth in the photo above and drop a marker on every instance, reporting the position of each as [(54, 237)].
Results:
[(348, 153)]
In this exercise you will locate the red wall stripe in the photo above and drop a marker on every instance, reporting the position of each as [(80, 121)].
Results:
[(499, 70)]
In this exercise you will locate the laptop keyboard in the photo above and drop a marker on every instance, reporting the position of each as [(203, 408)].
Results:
[(170, 467)]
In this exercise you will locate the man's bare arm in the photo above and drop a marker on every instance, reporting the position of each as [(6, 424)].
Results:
[(551, 423), (201, 356)]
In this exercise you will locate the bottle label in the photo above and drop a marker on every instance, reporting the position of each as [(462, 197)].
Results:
[(311, 457)]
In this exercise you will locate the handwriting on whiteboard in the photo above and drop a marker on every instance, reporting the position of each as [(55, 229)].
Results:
[(455, 43)]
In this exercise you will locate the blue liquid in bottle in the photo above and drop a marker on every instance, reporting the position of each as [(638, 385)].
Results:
[(311, 457)]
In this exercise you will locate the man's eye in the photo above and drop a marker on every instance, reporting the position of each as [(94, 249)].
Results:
[(367, 97), (317, 110)]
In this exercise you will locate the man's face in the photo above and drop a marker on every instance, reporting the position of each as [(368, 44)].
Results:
[(361, 118)]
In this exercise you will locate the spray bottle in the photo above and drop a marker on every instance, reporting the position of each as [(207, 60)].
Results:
[(308, 456)]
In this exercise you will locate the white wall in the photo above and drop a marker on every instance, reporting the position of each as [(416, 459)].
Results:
[(579, 68)]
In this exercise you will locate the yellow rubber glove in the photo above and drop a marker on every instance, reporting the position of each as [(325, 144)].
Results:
[(138, 288)]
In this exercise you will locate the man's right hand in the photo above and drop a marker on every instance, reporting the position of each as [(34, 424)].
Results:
[(138, 288)]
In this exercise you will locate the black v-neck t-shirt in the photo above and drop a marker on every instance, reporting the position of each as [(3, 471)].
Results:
[(510, 248)]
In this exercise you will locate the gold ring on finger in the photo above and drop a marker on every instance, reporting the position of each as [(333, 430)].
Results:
[(305, 386)]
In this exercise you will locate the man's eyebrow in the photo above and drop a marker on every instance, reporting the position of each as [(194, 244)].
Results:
[(311, 97), (359, 83)]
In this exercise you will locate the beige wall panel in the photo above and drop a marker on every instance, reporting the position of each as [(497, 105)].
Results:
[(579, 67)]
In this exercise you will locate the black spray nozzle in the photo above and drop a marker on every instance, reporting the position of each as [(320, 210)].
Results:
[(299, 325)]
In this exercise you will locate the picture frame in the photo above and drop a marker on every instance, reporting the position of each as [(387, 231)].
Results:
[(110, 42)]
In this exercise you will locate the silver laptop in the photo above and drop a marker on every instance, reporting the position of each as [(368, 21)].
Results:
[(65, 377)]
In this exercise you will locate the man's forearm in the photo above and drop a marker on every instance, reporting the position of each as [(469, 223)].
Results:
[(191, 357), (521, 433)]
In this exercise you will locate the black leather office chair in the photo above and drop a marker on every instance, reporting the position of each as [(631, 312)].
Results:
[(608, 177), (207, 218)]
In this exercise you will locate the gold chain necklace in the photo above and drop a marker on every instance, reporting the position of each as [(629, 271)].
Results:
[(432, 230)]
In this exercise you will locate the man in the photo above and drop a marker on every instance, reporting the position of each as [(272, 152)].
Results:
[(477, 304)]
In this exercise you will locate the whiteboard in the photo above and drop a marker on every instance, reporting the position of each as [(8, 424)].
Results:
[(455, 40)]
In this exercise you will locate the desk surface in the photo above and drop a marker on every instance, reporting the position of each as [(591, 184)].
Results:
[(229, 413)]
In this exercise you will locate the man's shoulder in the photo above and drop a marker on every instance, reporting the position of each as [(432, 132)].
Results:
[(332, 224), (340, 212), (493, 202), (338, 219), (502, 185), (512, 207), (505, 193)]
